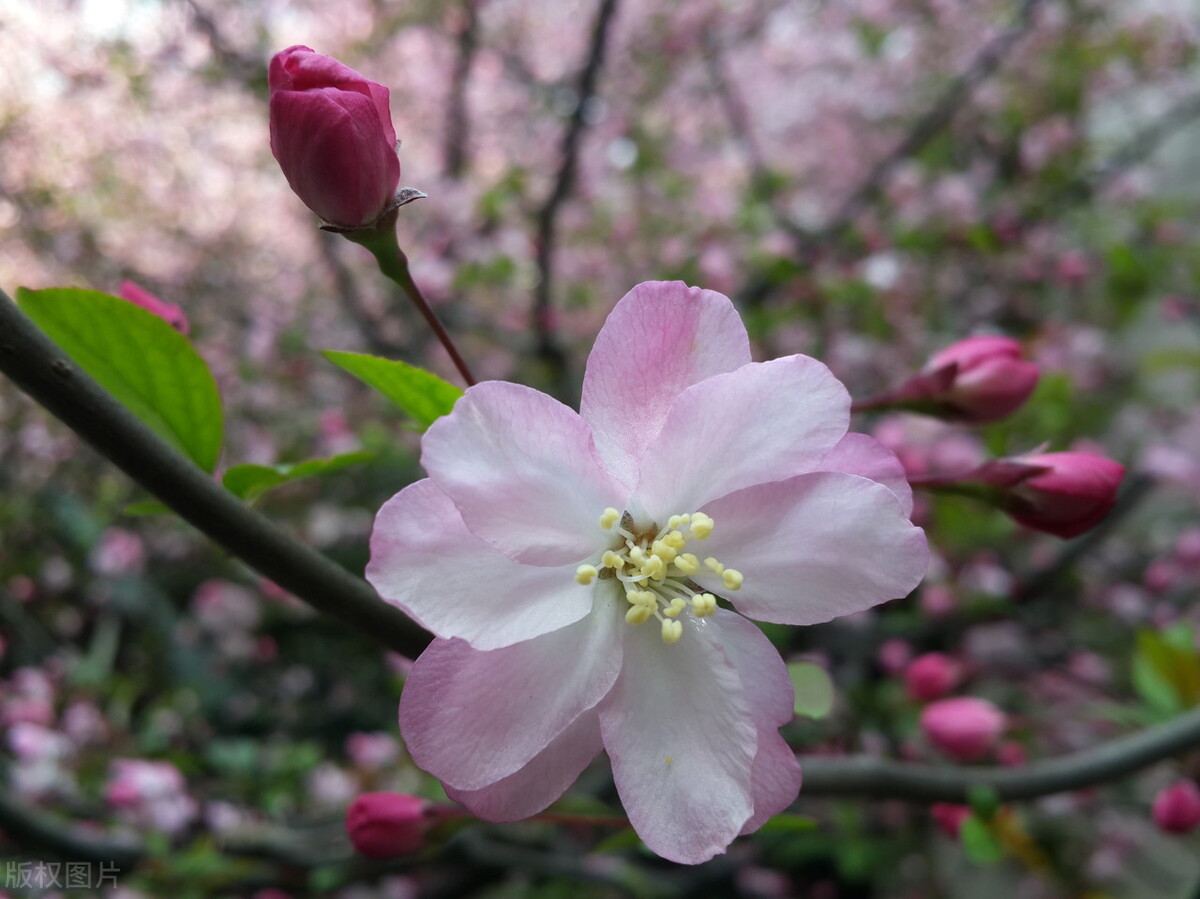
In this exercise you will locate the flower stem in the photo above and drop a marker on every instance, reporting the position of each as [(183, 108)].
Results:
[(382, 243)]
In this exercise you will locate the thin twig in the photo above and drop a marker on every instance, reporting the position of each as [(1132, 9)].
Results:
[(548, 348), (43, 371)]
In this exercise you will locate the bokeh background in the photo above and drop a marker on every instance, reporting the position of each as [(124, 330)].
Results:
[(869, 181)]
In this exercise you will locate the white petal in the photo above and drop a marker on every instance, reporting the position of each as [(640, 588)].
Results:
[(682, 741), (424, 560), (764, 422)]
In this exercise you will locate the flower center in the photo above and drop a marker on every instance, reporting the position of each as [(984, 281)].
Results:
[(655, 571)]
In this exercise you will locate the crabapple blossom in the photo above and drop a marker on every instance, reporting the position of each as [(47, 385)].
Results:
[(570, 565), (1072, 495), (332, 134), (149, 794), (985, 379), (931, 676), (964, 728), (1177, 808), (387, 825)]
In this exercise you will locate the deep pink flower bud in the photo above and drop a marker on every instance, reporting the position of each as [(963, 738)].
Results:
[(168, 312), (332, 134), (964, 728), (1177, 808), (931, 676), (1071, 496), (387, 825), (981, 379), (949, 817)]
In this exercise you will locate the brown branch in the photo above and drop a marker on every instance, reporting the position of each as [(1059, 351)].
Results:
[(454, 148), (548, 348)]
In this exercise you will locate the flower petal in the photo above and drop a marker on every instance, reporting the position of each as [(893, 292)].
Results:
[(522, 469), (775, 780), (678, 729), (775, 777), (867, 457), (472, 718), (660, 339), (543, 780), (814, 547), (424, 560), (764, 422)]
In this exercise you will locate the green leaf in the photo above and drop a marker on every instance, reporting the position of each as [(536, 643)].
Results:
[(619, 841), (421, 394), (983, 801), (814, 689), (249, 482), (146, 508), (979, 842), (786, 823), (141, 360)]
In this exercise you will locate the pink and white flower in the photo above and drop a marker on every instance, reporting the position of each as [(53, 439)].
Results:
[(544, 542)]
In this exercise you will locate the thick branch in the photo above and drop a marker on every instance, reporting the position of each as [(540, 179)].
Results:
[(882, 779), (547, 219), (49, 376)]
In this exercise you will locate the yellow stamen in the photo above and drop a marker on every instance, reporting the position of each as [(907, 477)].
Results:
[(584, 574), (672, 630), (732, 578), (609, 517)]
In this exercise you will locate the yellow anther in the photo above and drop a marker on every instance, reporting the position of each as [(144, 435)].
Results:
[(585, 573), (654, 567), (637, 614), (678, 521), (637, 556), (678, 604), (609, 517), (664, 551), (612, 560), (713, 565), (702, 526), (703, 605), (687, 563), (643, 598), (672, 630), (675, 540), (732, 578)]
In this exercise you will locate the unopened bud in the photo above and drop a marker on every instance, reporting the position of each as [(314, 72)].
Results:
[(387, 825)]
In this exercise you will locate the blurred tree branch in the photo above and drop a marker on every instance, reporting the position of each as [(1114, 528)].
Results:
[(884, 779), (454, 148), (547, 347), (928, 126), (39, 368)]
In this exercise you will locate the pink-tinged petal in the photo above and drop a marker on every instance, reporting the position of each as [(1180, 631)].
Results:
[(660, 339), (424, 560), (814, 547), (775, 780), (768, 686), (472, 718), (868, 458), (681, 737), (543, 780), (775, 777), (522, 470), (765, 422)]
